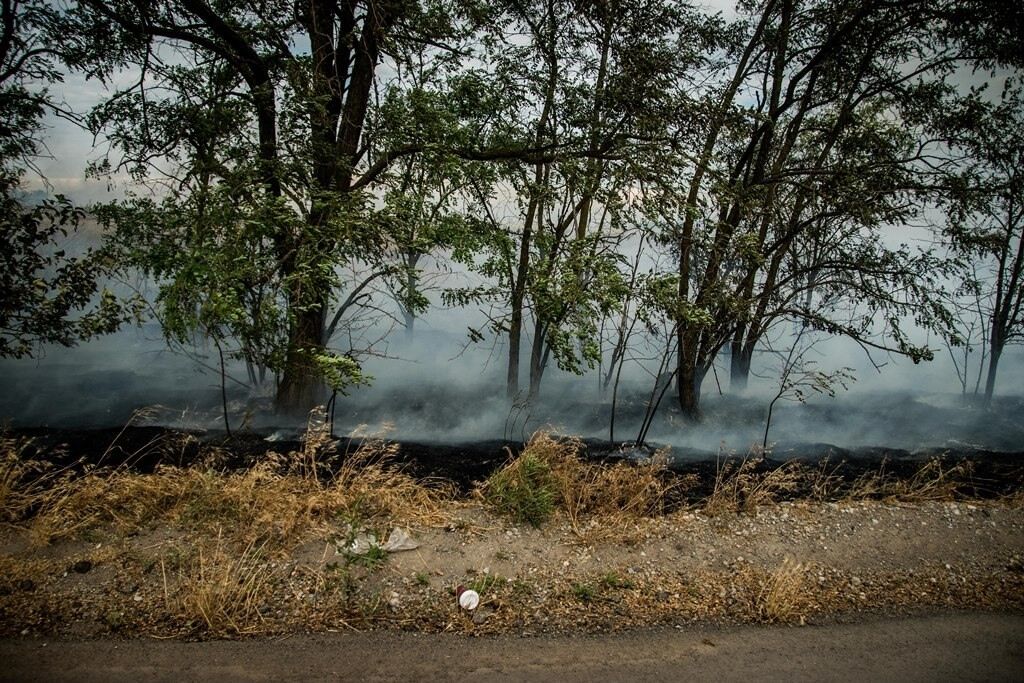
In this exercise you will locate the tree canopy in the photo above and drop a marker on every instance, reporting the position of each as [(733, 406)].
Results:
[(612, 173)]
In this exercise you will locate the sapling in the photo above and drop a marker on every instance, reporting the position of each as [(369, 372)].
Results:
[(798, 375)]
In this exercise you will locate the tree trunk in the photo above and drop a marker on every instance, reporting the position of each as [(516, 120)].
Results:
[(411, 283), (538, 359), (533, 212), (993, 366), (689, 385), (739, 369), (301, 387), (515, 326), (689, 377), (410, 324)]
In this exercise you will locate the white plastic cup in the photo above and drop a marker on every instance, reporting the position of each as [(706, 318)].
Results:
[(468, 599)]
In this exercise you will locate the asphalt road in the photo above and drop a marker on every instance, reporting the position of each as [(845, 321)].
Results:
[(944, 647)]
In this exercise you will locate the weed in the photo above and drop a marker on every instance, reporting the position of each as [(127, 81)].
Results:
[(114, 620), (932, 481), (374, 558), (524, 489), (220, 593), (548, 474), (583, 592), (260, 504), (422, 579), (782, 596), (613, 580), (487, 583), (338, 580), (742, 487), (25, 484)]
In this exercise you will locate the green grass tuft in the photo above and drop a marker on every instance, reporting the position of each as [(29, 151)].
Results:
[(525, 490)]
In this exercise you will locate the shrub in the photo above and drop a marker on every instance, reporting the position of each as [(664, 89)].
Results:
[(549, 475), (524, 489)]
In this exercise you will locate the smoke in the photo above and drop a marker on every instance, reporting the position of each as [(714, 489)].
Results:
[(436, 386)]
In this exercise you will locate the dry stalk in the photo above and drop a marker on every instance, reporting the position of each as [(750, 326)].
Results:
[(933, 481), (782, 597), (259, 504), (741, 488), (221, 593), (618, 494)]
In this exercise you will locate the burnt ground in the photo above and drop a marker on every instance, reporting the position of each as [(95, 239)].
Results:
[(986, 474)]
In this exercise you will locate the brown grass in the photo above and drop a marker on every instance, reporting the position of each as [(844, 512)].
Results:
[(274, 501), (617, 493), (783, 593), (740, 487), (283, 497), (933, 481), (221, 593), (25, 484)]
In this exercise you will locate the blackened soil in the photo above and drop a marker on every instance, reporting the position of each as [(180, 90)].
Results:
[(982, 474)]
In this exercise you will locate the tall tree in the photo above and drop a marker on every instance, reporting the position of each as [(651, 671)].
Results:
[(46, 294), (802, 137), (601, 82), (986, 217)]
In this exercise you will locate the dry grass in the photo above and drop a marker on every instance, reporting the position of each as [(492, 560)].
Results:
[(284, 497), (549, 475), (274, 501), (26, 484), (741, 487), (783, 593), (375, 487), (21, 481), (933, 481), (221, 593)]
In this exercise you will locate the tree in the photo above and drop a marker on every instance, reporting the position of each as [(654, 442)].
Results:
[(261, 107), (805, 138), (303, 154), (46, 295), (985, 219), (601, 83)]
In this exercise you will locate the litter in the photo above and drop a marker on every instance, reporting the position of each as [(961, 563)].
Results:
[(363, 542), (468, 598), (399, 540)]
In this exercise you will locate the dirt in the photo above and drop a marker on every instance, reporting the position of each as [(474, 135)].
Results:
[(960, 647), (863, 588), (686, 567)]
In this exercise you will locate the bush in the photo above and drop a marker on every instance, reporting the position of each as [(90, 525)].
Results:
[(525, 489), (548, 474)]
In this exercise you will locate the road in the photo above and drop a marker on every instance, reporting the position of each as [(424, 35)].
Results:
[(944, 647)]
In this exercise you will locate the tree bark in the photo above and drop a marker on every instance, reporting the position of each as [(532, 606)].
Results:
[(993, 366), (689, 385), (739, 369), (690, 375), (538, 359), (336, 120), (515, 327), (301, 388)]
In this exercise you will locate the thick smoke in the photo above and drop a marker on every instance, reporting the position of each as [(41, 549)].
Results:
[(436, 386)]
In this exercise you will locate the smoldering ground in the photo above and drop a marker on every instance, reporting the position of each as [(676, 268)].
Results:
[(436, 387)]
